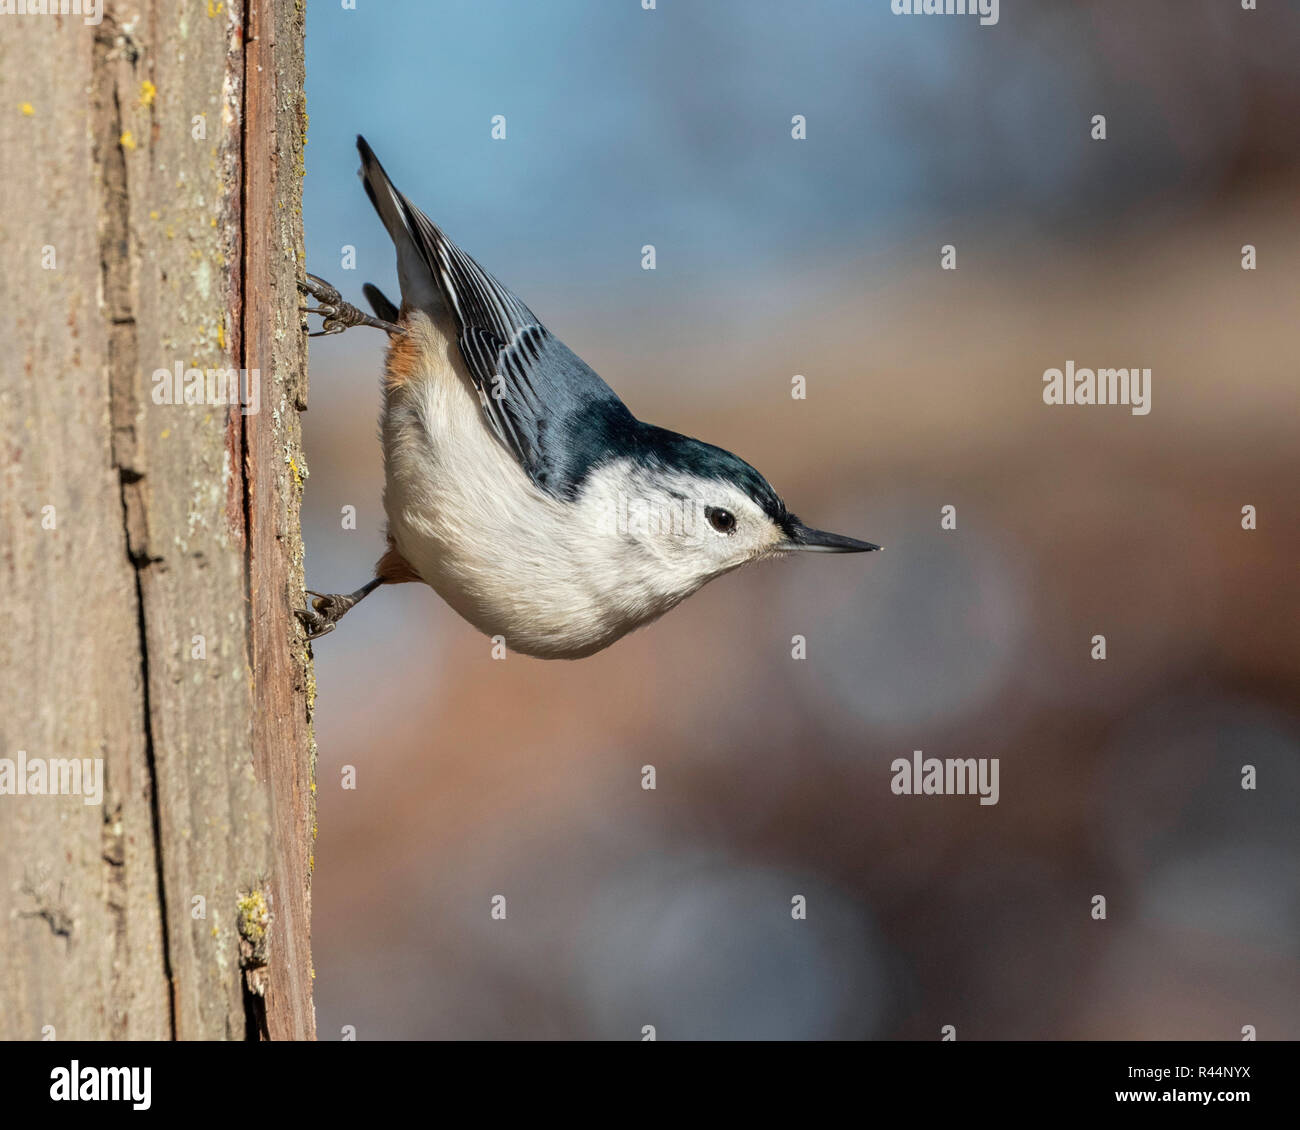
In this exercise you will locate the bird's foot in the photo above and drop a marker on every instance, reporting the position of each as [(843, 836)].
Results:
[(336, 314), (325, 612)]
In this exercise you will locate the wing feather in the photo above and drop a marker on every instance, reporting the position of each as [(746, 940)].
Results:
[(546, 405)]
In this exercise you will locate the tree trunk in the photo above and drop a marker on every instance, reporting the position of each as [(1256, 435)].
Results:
[(151, 545)]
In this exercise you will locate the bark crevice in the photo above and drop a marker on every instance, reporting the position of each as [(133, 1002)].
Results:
[(117, 266)]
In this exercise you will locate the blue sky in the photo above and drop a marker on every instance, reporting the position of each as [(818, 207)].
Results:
[(672, 127)]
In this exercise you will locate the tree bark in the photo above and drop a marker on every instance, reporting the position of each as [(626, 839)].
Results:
[(151, 550)]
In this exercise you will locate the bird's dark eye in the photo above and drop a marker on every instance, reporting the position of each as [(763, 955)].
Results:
[(724, 521)]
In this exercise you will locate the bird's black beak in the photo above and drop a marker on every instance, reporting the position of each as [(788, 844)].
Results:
[(801, 537)]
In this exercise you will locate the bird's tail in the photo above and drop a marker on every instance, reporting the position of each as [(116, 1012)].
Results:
[(380, 303), (419, 287)]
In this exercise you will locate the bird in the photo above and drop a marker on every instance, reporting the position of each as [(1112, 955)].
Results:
[(517, 484)]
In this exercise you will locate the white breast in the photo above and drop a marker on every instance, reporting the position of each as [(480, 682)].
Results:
[(554, 578)]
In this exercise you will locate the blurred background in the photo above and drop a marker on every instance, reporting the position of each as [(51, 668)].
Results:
[(821, 258)]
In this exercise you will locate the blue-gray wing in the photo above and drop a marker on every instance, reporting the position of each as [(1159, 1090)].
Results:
[(543, 402)]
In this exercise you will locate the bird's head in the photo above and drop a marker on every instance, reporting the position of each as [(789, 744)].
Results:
[(685, 512)]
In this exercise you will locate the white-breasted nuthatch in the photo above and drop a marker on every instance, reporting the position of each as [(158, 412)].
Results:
[(517, 484)]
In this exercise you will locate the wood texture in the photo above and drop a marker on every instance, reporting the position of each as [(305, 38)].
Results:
[(159, 164)]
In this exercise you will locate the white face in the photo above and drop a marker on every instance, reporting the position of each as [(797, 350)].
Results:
[(676, 530)]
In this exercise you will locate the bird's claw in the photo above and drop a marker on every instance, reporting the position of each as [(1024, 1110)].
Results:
[(336, 314), (324, 614)]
